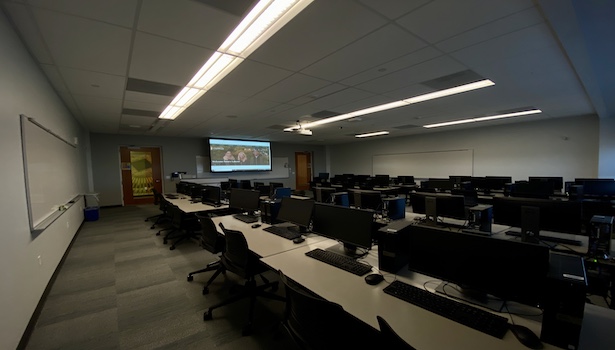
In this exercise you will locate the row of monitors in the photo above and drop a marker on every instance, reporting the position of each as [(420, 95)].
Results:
[(509, 269), (554, 215), (353, 227), (378, 180)]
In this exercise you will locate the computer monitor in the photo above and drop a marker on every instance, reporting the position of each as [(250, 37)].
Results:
[(352, 227), (370, 200), (244, 200), (458, 179), (556, 181), (532, 189), (405, 180), (281, 192), (296, 211), (439, 204), (195, 192), (437, 183), (600, 188), (323, 176), (496, 182), (381, 180), (181, 187), (211, 195), (479, 265), (554, 215), (323, 194), (245, 184)]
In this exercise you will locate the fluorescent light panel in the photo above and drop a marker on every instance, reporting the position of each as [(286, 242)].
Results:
[(377, 133), (482, 119), (396, 104), (264, 20)]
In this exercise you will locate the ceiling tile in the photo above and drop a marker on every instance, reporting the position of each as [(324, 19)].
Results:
[(29, 31), (165, 61), (85, 44), (93, 84), (137, 120), (308, 37), (442, 19), (54, 77), (250, 78), (394, 8), (139, 97), (187, 21), (118, 12), (292, 87), (98, 108), (383, 45)]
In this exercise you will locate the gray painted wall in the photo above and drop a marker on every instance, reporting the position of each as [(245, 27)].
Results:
[(178, 154), (567, 148), (24, 89), (607, 148)]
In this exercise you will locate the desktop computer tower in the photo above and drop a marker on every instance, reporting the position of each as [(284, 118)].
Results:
[(564, 301), (480, 218), (269, 211), (600, 232), (393, 241)]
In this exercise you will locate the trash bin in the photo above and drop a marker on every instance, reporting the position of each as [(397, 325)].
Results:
[(91, 211)]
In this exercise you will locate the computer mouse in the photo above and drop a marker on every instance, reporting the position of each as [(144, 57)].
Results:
[(374, 278), (298, 240), (526, 336), (256, 225)]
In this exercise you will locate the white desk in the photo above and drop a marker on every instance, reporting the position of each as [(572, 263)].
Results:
[(261, 242), (420, 328), (184, 204)]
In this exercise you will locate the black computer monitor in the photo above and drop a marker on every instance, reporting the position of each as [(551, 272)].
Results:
[(233, 183), (182, 187), (405, 179), (323, 176), (245, 184), (367, 199), (553, 215), (479, 265), (296, 211), (195, 192), (439, 204), (437, 183), (600, 188), (351, 226), (323, 194), (244, 200), (211, 195), (458, 179), (556, 181), (496, 182), (532, 189), (381, 180)]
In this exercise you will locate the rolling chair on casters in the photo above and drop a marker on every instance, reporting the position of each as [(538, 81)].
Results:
[(158, 200), (184, 226), (238, 259), (316, 323), (390, 339), (212, 241)]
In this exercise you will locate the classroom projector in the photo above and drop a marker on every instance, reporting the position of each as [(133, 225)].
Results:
[(304, 132)]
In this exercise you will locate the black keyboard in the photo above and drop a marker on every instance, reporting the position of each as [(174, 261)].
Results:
[(467, 315), (248, 219), (282, 232), (549, 239), (341, 262)]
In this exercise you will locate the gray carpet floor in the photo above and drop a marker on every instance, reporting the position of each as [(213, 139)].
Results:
[(120, 287)]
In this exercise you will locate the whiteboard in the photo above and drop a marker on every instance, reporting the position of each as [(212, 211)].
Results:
[(51, 170), (436, 164), (279, 170)]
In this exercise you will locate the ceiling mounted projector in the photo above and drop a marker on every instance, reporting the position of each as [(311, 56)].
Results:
[(305, 132)]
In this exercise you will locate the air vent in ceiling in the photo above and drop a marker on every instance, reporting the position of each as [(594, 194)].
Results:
[(140, 112), (408, 126), (152, 87), (452, 80), (234, 7)]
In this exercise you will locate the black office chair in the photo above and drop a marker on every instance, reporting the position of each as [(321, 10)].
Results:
[(184, 226), (316, 323), (212, 241), (160, 202), (238, 259), (390, 339)]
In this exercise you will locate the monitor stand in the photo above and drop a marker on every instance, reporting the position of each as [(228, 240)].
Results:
[(345, 249), (471, 296)]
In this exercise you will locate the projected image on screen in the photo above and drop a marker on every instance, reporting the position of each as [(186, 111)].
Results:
[(239, 155)]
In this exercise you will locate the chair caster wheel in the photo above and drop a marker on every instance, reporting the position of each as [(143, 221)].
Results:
[(247, 330), (205, 291), (172, 247), (157, 233), (190, 278), (152, 227), (164, 241), (207, 316)]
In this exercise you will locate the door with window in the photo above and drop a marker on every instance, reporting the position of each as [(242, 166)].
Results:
[(303, 170), (141, 173)]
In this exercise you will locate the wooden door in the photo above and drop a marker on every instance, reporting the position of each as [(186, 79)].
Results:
[(141, 172), (303, 170)]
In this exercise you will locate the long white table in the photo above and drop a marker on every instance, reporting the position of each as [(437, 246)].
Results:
[(419, 327), (184, 204)]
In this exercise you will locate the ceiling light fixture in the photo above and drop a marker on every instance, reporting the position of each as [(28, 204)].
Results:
[(377, 133), (405, 102), (264, 20), (482, 119)]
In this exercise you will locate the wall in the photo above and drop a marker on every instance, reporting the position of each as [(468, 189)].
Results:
[(607, 148), (24, 89), (178, 154), (565, 147)]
